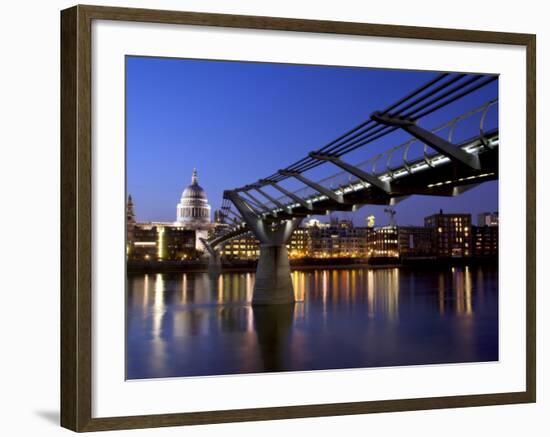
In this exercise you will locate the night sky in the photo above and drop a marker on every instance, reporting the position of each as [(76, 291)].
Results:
[(238, 122)]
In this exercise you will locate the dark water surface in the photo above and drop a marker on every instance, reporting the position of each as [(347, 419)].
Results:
[(188, 324)]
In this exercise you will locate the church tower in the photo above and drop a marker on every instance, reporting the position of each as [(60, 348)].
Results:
[(130, 224)]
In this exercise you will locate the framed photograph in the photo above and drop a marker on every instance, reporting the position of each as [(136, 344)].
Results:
[(268, 218)]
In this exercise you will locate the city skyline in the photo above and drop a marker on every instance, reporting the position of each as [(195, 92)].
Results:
[(183, 114)]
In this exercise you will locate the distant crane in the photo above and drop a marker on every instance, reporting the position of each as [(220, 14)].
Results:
[(391, 214)]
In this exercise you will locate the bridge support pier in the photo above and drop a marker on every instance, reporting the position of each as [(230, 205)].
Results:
[(273, 282), (214, 264), (214, 259)]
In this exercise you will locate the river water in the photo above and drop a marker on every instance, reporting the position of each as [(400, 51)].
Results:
[(188, 324)]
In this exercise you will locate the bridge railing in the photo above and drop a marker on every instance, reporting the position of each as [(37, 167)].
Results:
[(474, 123)]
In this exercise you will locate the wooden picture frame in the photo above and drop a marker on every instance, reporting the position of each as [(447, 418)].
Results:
[(76, 219)]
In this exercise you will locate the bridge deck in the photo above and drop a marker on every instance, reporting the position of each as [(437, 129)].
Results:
[(437, 176)]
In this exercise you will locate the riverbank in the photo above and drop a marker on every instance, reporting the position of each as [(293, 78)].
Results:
[(309, 264)]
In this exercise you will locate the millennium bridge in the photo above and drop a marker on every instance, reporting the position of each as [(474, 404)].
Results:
[(430, 162)]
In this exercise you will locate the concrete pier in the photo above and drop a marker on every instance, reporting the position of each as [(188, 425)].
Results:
[(214, 264), (273, 282), (214, 259)]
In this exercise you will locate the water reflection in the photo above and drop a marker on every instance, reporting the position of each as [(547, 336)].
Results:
[(272, 324), (195, 324)]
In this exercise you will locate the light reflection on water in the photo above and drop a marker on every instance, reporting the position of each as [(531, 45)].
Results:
[(191, 324)]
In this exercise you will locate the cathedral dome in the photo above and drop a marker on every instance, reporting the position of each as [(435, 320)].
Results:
[(194, 191), (193, 211)]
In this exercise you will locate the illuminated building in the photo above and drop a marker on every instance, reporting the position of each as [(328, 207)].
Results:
[(178, 243), (314, 240), (244, 247), (383, 242), (485, 240), (314, 223), (400, 241), (159, 242), (193, 211), (338, 239), (354, 242), (487, 219), (452, 234), (415, 241), (144, 244), (299, 243), (323, 238)]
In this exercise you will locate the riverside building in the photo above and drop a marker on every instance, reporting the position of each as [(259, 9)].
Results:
[(178, 240)]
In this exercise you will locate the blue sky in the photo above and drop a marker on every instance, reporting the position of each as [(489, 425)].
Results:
[(237, 122)]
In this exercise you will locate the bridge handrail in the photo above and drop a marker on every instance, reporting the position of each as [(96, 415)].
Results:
[(306, 192)]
